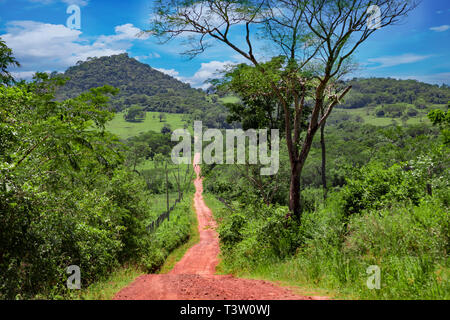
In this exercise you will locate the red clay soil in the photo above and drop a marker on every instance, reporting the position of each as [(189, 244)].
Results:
[(193, 277)]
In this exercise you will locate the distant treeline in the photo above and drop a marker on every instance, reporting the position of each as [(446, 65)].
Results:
[(142, 86), (377, 91)]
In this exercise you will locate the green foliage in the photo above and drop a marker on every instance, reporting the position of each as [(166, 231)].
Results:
[(257, 234), (166, 130), (442, 120), (392, 110), (157, 143), (259, 105), (374, 186), (135, 114), (379, 101), (54, 213), (162, 117), (386, 91), (170, 235), (349, 146), (380, 213), (6, 60), (329, 250), (409, 243)]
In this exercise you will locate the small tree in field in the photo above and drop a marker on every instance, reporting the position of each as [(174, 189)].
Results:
[(313, 40), (162, 117), (135, 114)]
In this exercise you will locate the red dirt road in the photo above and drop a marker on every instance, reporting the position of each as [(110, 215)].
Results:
[(193, 277)]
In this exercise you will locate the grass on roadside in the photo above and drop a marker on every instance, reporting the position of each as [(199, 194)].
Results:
[(280, 274), (178, 253), (105, 289)]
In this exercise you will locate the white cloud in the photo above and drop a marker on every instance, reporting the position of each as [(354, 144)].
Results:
[(123, 32), (443, 28), (208, 70), (80, 3), (77, 2), (24, 74), (171, 72), (390, 61), (152, 55), (436, 78), (40, 46)]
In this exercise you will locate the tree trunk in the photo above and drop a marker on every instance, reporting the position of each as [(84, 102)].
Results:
[(324, 161), (429, 187), (294, 191)]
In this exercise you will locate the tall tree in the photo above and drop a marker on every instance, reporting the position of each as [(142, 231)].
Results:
[(6, 60), (319, 36), (324, 160)]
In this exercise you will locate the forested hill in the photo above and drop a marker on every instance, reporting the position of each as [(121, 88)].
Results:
[(139, 85), (370, 92)]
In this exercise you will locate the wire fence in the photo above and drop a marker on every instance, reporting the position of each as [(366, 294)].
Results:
[(163, 217), (183, 185)]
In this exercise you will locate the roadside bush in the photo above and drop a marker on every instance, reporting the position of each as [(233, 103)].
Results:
[(374, 186), (170, 235), (41, 237), (257, 234), (409, 243)]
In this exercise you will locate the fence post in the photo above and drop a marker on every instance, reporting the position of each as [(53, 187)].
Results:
[(167, 188)]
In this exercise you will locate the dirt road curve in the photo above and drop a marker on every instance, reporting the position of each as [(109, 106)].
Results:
[(193, 277)]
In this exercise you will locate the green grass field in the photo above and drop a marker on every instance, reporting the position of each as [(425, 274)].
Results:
[(369, 117), (229, 99), (125, 129)]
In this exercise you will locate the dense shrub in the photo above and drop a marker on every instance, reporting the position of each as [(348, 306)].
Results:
[(170, 235), (257, 234), (374, 186), (409, 243)]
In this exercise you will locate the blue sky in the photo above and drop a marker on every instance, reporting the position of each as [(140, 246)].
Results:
[(36, 30)]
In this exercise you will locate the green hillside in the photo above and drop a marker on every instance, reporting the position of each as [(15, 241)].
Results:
[(140, 85), (385, 101), (369, 92)]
